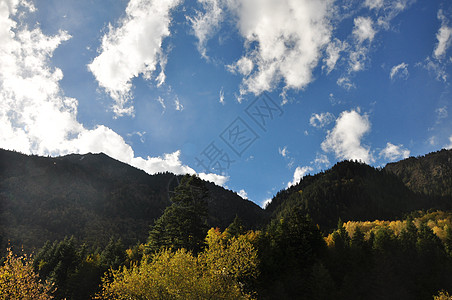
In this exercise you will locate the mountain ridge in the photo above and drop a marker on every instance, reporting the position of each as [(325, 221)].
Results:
[(94, 197)]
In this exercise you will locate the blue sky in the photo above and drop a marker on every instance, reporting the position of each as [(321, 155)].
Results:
[(252, 95)]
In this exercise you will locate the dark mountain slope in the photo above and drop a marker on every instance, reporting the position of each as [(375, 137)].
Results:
[(351, 191), (94, 197), (430, 174)]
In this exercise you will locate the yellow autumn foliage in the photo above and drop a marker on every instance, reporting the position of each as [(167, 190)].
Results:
[(219, 272), (19, 281)]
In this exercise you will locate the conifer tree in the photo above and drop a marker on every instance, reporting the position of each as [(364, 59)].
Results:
[(183, 224)]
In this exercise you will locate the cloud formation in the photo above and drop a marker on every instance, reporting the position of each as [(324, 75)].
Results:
[(283, 40), (444, 37), (321, 120), (393, 152), (345, 138), (41, 119), (299, 173), (133, 48), (400, 71), (242, 194), (205, 24)]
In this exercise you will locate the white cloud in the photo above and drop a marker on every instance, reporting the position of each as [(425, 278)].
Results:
[(266, 202), (436, 68), (450, 143), (222, 96), (333, 50), (321, 120), (393, 152), (162, 102), (133, 48), (441, 113), (345, 82), (177, 105), (40, 119), (243, 194), (374, 4), (299, 173), (400, 70), (363, 29), (321, 160), (205, 25), (345, 138), (243, 66), (283, 151), (284, 41), (444, 37)]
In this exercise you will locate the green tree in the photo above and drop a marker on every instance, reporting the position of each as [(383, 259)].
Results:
[(184, 223)]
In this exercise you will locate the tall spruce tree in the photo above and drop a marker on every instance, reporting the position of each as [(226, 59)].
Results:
[(184, 223)]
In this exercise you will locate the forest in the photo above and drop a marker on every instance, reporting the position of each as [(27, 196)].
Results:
[(350, 232)]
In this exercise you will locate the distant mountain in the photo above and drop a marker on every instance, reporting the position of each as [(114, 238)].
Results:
[(358, 192), (430, 174), (94, 197)]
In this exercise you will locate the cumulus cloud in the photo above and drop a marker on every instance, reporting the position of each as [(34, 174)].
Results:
[(444, 37), (345, 138), (321, 120), (41, 119), (393, 152), (400, 71), (133, 49), (205, 24), (299, 173), (284, 41)]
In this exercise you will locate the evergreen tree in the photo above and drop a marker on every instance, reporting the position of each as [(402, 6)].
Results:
[(183, 224)]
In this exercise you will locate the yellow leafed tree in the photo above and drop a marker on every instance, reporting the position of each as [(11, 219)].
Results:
[(216, 273), (19, 281)]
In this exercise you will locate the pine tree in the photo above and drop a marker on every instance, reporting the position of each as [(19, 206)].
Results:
[(183, 224)]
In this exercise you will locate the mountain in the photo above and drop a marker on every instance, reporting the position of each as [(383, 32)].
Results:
[(94, 197), (430, 174), (354, 191)]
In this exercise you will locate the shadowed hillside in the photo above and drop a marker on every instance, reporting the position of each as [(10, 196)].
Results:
[(94, 197)]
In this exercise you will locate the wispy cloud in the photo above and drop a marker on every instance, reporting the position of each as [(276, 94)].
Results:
[(222, 96), (206, 23), (177, 105), (321, 120), (444, 37), (399, 71), (283, 151)]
